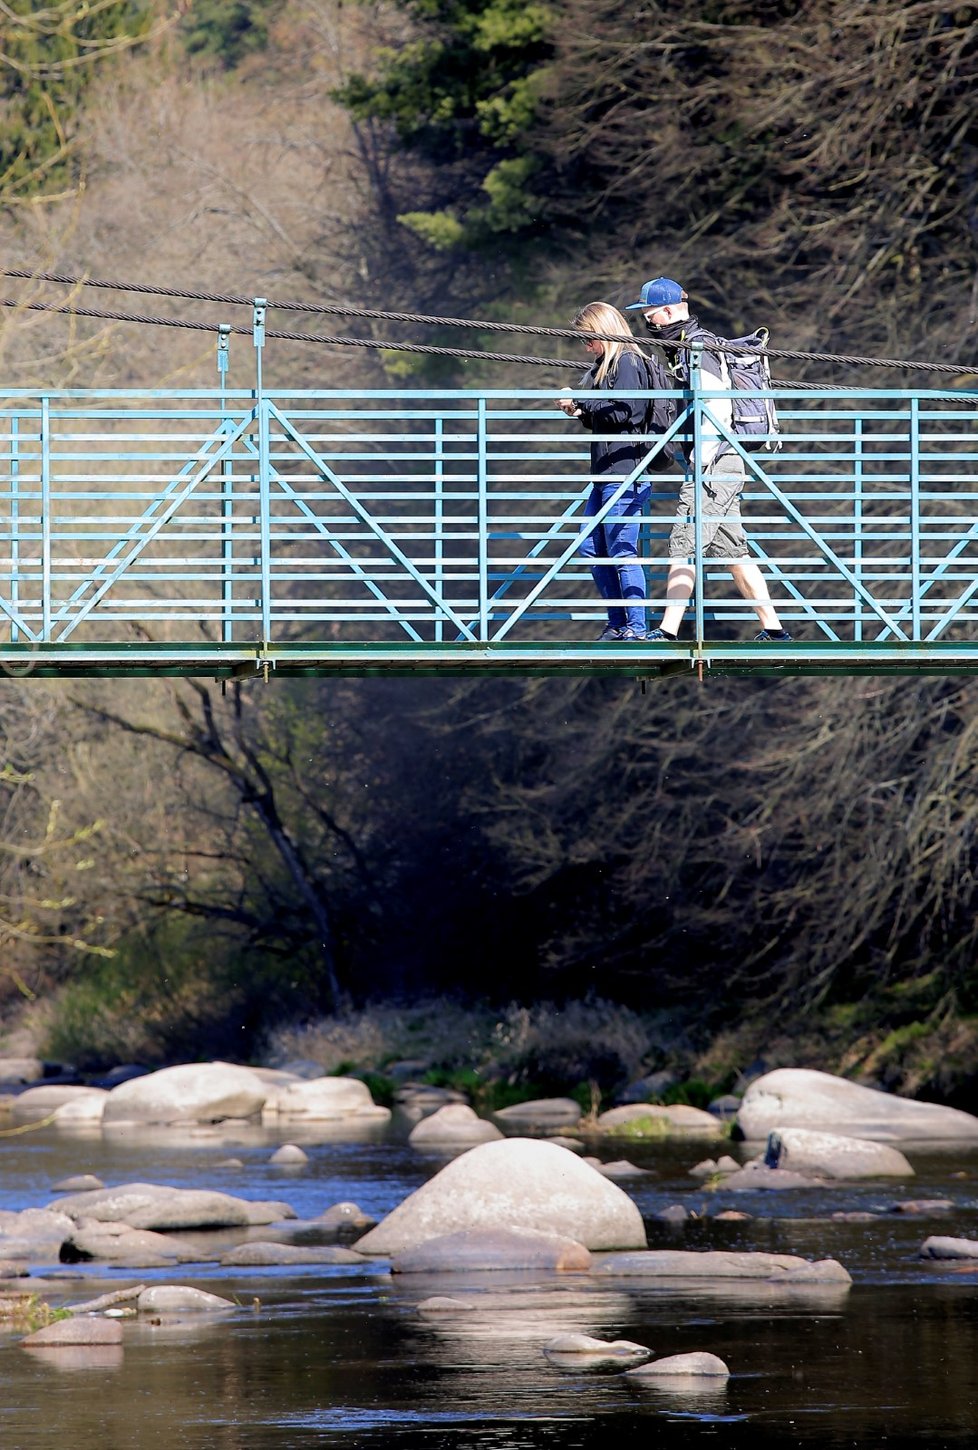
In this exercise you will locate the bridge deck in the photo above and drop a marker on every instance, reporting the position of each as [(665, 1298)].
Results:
[(235, 533)]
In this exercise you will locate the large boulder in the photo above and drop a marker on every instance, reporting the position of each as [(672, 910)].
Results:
[(205, 1092), (515, 1183), (164, 1209), (326, 1099), (803, 1098), (452, 1126), (699, 1364), (827, 1155), (181, 1299)]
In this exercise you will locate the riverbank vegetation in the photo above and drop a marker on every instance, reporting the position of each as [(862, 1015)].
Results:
[(776, 868)]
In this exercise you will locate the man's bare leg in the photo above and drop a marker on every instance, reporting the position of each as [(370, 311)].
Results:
[(753, 586), (679, 588)]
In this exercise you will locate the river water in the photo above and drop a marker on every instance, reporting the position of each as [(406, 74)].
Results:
[(341, 1355)]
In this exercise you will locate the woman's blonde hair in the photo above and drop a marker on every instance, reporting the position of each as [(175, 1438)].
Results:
[(601, 317)]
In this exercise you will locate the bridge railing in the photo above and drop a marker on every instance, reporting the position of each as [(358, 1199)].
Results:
[(430, 516)]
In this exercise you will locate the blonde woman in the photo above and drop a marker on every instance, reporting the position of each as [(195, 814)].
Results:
[(619, 369)]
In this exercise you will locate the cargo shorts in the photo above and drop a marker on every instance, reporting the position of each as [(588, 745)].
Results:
[(722, 531)]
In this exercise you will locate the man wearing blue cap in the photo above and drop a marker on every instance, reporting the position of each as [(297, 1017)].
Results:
[(664, 306)]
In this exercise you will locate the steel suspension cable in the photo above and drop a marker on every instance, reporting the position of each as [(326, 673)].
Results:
[(382, 314)]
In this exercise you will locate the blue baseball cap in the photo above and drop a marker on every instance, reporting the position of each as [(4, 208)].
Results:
[(660, 292)]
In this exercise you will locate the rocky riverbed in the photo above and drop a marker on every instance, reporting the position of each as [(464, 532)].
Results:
[(697, 1266)]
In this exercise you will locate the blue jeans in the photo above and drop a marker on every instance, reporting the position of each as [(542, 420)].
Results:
[(616, 537)]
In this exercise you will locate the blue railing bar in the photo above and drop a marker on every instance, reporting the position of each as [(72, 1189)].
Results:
[(790, 509), (46, 518), (354, 503), (172, 499), (334, 542)]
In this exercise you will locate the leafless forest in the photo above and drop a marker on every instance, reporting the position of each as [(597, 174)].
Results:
[(787, 866)]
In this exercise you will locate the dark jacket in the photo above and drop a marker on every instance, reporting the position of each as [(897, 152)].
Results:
[(621, 414)]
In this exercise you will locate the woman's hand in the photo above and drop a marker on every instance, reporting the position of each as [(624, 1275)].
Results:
[(567, 405)]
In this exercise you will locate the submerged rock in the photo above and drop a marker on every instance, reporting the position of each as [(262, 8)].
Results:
[(940, 1247), (258, 1253), (493, 1249), (156, 1206), (579, 1353), (698, 1364), (719, 1264), (804, 1098), (652, 1120), (326, 1099), (515, 1183), (827, 1155), (453, 1125), (541, 1113), (93, 1330), (181, 1299)]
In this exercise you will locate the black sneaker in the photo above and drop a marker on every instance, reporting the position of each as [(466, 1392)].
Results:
[(629, 635), (609, 633), (772, 636), (661, 634)]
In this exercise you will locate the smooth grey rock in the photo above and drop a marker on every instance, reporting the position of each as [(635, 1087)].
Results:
[(454, 1124), (822, 1271), (259, 1254), (940, 1247), (493, 1249), (443, 1304), (181, 1299), (923, 1206), (289, 1154), (619, 1168), (698, 1364), (515, 1183), (827, 1155), (706, 1264), (205, 1092), (326, 1099), (80, 1330), (342, 1216), (155, 1206), (33, 1234), (804, 1098), (710, 1168), (580, 1353), (651, 1120), (541, 1112), (118, 1243), (42, 1102), (756, 1175), (675, 1213), (79, 1183), (725, 1107)]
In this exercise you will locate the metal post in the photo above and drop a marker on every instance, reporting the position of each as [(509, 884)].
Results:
[(857, 528), (695, 392), (439, 523), (14, 523), (264, 480), (483, 526), (915, 514), (45, 518), (227, 490)]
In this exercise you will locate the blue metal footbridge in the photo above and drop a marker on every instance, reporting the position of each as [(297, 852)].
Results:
[(235, 533)]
